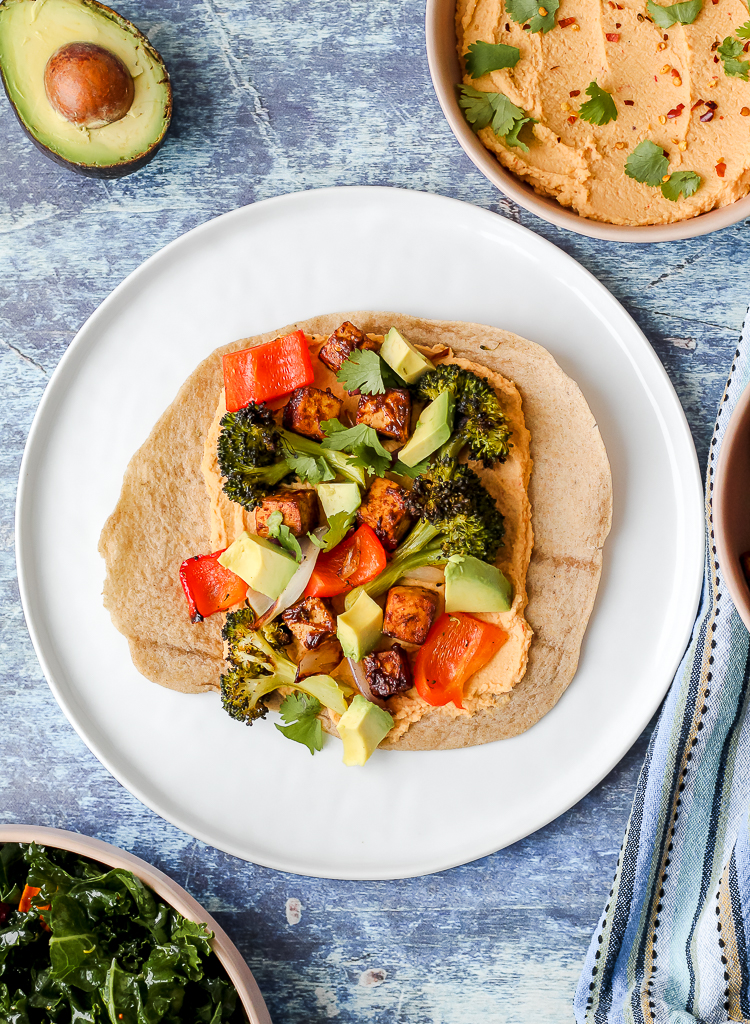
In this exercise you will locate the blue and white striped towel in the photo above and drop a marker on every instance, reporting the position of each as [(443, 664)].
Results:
[(672, 944)]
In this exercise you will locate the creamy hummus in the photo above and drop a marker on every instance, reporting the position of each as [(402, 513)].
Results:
[(663, 82)]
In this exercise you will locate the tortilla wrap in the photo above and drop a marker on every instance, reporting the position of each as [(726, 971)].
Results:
[(164, 514)]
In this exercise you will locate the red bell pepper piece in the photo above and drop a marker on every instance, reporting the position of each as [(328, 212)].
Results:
[(457, 646), (356, 560), (25, 904), (209, 587), (267, 371)]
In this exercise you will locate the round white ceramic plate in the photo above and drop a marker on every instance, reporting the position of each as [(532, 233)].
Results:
[(250, 791)]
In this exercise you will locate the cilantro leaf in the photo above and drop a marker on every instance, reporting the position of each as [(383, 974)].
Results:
[(302, 724), (485, 57), (361, 441), (744, 31), (307, 467), (411, 471), (365, 371), (729, 51), (522, 11), (600, 109), (338, 527), (282, 533), (685, 182), (647, 163), (684, 13), (494, 109)]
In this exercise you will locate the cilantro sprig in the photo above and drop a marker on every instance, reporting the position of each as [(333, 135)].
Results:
[(494, 109), (600, 109), (361, 441), (684, 183), (338, 527), (300, 713), (730, 52), (684, 13), (365, 371), (482, 58), (649, 164), (411, 471), (744, 31), (280, 532), (523, 11), (307, 467)]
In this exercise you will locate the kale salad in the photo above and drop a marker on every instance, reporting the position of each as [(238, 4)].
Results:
[(82, 944)]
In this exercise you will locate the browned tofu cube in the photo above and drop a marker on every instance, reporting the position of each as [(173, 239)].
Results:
[(389, 414), (307, 408), (388, 672), (311, 621), (342, 343), (299, 511), (384, 509), (409, 612)]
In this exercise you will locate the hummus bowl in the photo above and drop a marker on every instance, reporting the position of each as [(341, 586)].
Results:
[(230, 957), (446, 76)]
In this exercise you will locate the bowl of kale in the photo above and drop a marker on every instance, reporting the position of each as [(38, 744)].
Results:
[(90, 934)]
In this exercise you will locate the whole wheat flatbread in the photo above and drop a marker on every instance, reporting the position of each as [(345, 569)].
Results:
[(163, 515)]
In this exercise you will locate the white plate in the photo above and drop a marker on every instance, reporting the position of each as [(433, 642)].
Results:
[(251, 792)]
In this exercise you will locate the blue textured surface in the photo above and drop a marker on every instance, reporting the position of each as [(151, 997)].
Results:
[(270, 100)]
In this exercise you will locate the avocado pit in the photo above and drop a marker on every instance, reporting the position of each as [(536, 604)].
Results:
[(88, 85)]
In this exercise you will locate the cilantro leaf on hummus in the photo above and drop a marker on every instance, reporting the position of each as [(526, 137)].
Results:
[(280, 532), (684, 13), (361, 441), (523, 11), (365, 371), (300, 713), (493, 109), (744, 31), (730, 51), (647, 163), (600, 109), (681, 182), (485, 57)]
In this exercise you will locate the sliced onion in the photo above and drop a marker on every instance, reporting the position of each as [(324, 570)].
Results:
[(427, 574), (296, 585), (360, 681), (258, 602), (320, 661)]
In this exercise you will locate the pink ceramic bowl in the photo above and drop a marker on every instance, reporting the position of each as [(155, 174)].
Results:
[(238, 971), (446, 75), (731, 505)]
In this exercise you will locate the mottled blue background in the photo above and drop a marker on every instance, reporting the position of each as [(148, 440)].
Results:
[(272, 99)]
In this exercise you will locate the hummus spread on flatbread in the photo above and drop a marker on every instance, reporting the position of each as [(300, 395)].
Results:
[(172, 506), (670, 85)]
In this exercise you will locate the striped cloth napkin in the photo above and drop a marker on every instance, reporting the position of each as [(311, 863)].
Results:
[(672, 943)]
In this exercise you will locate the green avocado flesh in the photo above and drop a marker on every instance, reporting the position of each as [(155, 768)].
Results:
[(31, 31)]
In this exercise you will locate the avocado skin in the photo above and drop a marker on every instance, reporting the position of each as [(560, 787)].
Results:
[(119, 170)]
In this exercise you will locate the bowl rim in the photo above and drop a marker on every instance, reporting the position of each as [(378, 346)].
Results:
[(727, 558), (514, 188), (232, 960)]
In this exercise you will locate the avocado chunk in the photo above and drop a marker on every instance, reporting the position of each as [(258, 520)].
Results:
[(433, 429), (263, 565), (337, 498), (327, 691), (362, 728), (86, 85), (360, 628), (472, 585), (402, 357)]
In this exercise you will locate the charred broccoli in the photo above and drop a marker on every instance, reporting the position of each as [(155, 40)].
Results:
[(456, 516), (255, 455), (480, 421), (257, 664)]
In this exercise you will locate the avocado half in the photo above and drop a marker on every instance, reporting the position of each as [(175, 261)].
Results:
[(31, 31)]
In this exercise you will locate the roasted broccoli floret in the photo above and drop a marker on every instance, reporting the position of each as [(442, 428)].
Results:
[(480, 421), (256, 665), (255, 455)]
